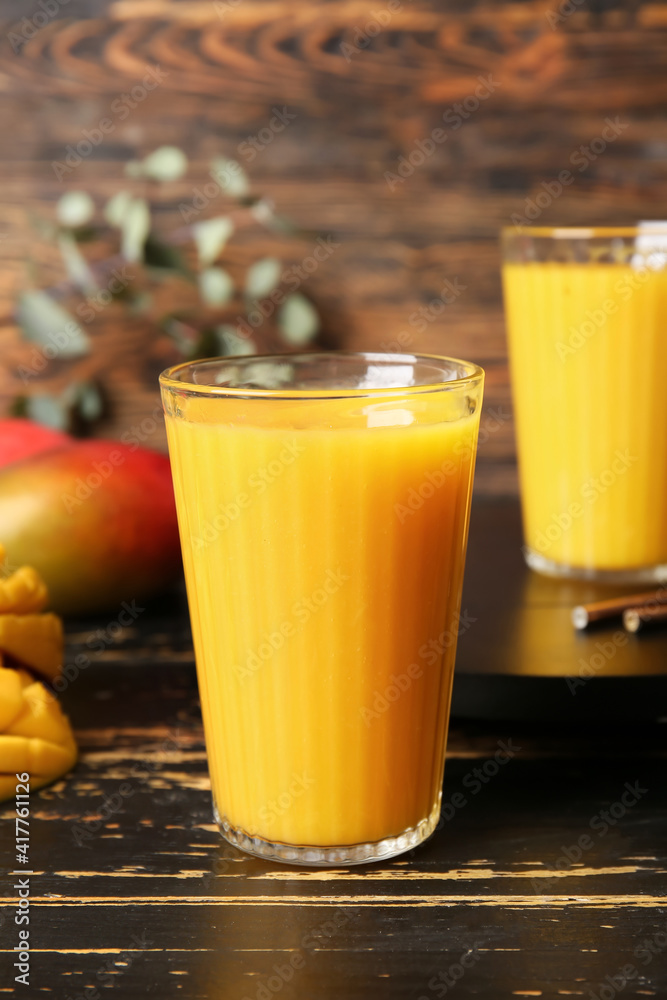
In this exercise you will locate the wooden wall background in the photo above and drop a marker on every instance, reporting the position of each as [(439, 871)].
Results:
[(229, 64)]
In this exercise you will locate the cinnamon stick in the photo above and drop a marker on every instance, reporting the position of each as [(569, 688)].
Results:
[(637, 619), (587, 614)]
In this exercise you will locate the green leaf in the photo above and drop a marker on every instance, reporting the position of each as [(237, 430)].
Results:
[(298, 320), (160, 255), (262, 211), (262, 277), (230, 341), (52, 411), (85, 234), (168, 163), (46, 323), (231, 177), (206, 346), (210, 237), (88, 401), (75, 208), (19, 407), (183, 335), (140, 304), (116, 208), (135, 228), (284, 226), (76, 265), (216, 286)]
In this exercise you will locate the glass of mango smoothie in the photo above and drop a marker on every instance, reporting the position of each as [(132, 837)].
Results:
[(323, 504), (586, 312)]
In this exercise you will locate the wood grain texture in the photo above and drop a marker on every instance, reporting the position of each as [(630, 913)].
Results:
[(366, 85), (152, 887), (135, 890)]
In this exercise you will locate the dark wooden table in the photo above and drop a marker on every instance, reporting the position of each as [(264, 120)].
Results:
[(546, 878)]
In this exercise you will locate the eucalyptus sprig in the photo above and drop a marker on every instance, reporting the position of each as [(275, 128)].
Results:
[(194, 252)]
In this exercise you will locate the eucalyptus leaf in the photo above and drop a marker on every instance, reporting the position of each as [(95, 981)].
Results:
[(182, 335), (165, 257), (298, 319), (52, 411), (216, 286), (168, 163), (206, 346), (230, 341), (210, 237), (135, 228), (262, 277), (116, 208), (19, 407), (76, 265), (88, 401), (284, 226), (262, 211), (75, 208), (140, 304), (231, 177), (46, 323)]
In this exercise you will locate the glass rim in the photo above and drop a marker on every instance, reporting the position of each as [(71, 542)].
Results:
[(169, 380), (584, 232)]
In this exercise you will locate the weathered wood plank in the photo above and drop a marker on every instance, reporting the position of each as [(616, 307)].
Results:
[(540, 874), (357, 113)]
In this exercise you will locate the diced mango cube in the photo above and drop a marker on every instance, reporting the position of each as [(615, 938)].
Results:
[(37, 738), (34, 640), (11, 697), (23, 592)]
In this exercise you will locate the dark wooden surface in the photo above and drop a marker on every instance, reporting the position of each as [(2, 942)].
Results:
[(137, 892), (558, 80)]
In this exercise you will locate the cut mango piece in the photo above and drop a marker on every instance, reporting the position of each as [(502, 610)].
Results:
[(35, 640), (37, 738), (11, 697), (44, 761), (23, 592), (35, 735), (39, 715), (7, 786)]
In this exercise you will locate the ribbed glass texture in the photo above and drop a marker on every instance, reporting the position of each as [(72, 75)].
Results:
[(323, 505), (586, 312)]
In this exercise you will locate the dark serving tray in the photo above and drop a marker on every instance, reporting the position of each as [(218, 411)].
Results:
[(519, 656)]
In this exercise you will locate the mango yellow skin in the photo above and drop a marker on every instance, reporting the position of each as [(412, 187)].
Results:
[(35, 735), (96, 520)]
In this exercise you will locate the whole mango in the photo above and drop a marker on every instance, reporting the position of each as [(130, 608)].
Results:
[(21, 438), (96, 519)]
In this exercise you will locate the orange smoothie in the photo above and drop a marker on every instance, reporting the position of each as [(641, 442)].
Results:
[(324, 543), (588, 358)]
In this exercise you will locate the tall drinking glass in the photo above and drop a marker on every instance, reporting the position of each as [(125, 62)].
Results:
[(586, 314), (323, 504)]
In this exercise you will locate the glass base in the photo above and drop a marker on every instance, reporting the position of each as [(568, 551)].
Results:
[(330, 857), (639, 574)]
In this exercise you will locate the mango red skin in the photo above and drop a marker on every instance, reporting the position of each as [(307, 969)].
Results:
[(21, 438), (96, 519)]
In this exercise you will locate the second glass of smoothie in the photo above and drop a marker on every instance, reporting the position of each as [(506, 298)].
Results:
[(586, 311)]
